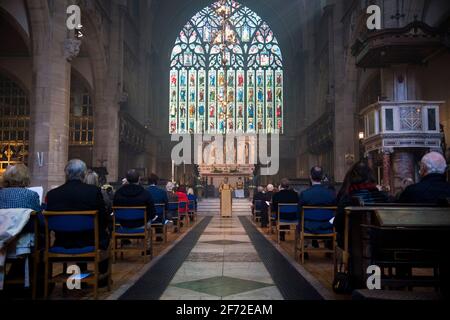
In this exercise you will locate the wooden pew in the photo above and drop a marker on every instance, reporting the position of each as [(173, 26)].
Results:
[(393, 236)]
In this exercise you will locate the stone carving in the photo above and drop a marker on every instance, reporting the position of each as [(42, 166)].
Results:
[(71, 48)]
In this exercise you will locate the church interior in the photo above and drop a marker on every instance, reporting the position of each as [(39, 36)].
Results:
[(268, 150)]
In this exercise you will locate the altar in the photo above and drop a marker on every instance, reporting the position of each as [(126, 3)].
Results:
[(230, 157), (217, 173)]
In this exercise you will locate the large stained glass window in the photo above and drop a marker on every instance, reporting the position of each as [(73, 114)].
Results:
[(253, 76)]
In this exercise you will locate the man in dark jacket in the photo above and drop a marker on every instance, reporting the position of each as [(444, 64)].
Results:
[(134, 195), (433, 187), (75, 195), (262, 198), (159, 195), (317, 195), (285, 195)]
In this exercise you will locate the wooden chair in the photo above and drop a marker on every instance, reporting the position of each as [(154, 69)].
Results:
[(35, 256), (287, 216), (257, 210), (173, 210), (271, 219), (78, 221), (192, 211), (183, 206), (161, 222), (309, 216), (144, 233)]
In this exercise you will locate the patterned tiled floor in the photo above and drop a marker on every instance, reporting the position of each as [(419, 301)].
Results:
[(223, 265)]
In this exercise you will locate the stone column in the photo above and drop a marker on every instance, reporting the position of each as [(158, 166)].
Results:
[(403, 167), (387, 168), (370, 160), (107, 127), (107, 66), (49, 129)]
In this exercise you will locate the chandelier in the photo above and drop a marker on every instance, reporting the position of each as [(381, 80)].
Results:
[(225, 39)]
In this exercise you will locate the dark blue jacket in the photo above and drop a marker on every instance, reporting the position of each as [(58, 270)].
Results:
[(159, 196), (318, 221)]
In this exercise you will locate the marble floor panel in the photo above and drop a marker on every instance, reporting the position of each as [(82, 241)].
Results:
[(223, 264)]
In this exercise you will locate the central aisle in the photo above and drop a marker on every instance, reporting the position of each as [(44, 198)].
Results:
[(222, 259), (223, 265)]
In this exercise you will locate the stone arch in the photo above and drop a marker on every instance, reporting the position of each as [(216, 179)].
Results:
[(18, 19), (39, 17)]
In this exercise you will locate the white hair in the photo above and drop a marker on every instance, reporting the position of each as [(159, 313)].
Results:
[(91, 178), (190, 191), (260, 189), (270, 187), (170, 186), (75, 170), (434, 162)]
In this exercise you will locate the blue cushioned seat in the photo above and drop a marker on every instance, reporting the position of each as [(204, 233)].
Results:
[(130, 231), (61, 250)]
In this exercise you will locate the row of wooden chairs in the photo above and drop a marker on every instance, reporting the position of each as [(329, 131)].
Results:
[(293, 216), (87, 221)]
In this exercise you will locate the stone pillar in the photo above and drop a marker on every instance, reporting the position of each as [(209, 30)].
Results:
[(403, 167), (344, 82), (370, 160), (49, 128), (106, 147), (387, 169), (107, 65)]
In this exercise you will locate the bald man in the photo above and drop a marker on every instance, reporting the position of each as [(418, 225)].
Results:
[(433, 187)]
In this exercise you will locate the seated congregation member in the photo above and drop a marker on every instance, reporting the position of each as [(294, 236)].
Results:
[(358, 183), (171, 193), (171, 196), (261, 196), (433, 187), (270, 191), (192, 197), (285, 195), (75, 195), (134, 195), (182, 197), (159, 197), (92, 179), (317, 195), (15, 194)]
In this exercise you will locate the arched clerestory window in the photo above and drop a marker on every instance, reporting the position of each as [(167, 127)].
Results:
[(253, 78)]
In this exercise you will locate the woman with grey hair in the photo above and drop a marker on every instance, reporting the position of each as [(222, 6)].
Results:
[(171, 195), (15, 194), (92, 179)]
